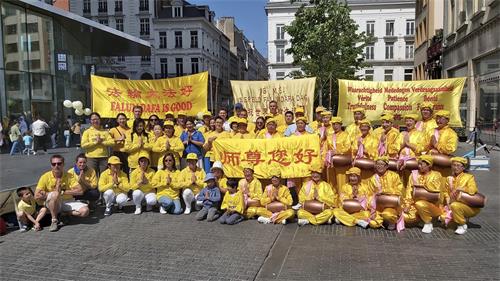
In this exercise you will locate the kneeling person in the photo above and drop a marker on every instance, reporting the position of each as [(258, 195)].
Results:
[(233, 204)]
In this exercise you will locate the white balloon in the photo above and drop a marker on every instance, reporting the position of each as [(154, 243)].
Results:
[(67, 104), (78, 105), (87, 111), (199, 116), (78, 112)]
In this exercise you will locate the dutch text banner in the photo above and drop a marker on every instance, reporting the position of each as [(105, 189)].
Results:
[(293, 155), (256, 95), (187, 93), (399, 97)]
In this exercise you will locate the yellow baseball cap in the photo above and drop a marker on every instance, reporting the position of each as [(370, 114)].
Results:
[(247, 165), (443, 113), (326, 113), (191, 156), (301, 119), (354, 171), (299, 109), (359, 109), (232, 119), (113, 160), (144, 155), (364, 122), (427, 159), (319, 109), (168, 123), (382, 158), (459, 160), (316, 168), (336, 119), (427, 104), (411, 116), (387, 117), (181, 113), (275, 172), (207, 113), (169, 113), (271, 120), (242, 121)]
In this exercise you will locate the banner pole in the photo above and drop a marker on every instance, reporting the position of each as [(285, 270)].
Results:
[(210, 81)]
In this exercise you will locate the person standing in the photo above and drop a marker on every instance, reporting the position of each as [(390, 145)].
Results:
[(119, 134), (137, 110), (15, 137), (39, 128), (95, 142), (193, 142)]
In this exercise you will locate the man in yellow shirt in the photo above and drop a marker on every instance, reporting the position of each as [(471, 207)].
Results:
[(387, 137), (169, 142), (353, 129), (428, 123), (87, 179), (273, 110), (95, 143), (364, 146), (338, 144), (56, 189), (137, 110), (275, 192), (315, 124), (114, 184), (317, 190), (191, 180), (180, 125), (251, 189), (207, 115)]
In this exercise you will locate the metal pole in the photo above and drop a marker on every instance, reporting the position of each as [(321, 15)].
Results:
[(210, 83)]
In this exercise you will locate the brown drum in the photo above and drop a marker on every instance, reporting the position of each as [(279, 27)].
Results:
[(411, 164), (393, 165), (314, 207), (420, 193), (352, 206), (364, 163), (477, 200), (275, 207), (341, 160), (442, 160), (253, 203), (387, 201)]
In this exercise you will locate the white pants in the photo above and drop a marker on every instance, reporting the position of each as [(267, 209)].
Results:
[(189, 197), (138, 196), (110, 197)]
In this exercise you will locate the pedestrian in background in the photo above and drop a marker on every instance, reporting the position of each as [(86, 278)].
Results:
[(39, 128), (15, 137)]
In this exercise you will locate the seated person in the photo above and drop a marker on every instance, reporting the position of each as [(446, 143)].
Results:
[(114, 183), (27, 213), (218, 171), (56, 189), (87, 179), (191, 180), (319, 190), (141, 184), (251, 188), (275, 192), (210, 198), (167, 187), (233, 204)]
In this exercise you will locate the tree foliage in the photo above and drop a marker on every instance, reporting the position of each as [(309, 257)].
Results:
[(325, 43)]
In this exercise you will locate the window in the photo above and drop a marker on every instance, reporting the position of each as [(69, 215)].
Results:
[(280, 75), (409, 50), (164, 67), (280, 31), (119, 24), (408, 74), (389, 28), (177, 11), (104, 22), (389, 50), (410, 27), (144, 5), (369, 74), (145, 59), (280, 53), (144, 26), (103, 6), (118, 6), (86, 6), (370, 28), (11, 48), (11, 29), (388, 74), (194, 39), (194, 65), (35, 46), (178, 39), (163, 40), (370, 52), (32, 27), (179, 68), (120, 58)]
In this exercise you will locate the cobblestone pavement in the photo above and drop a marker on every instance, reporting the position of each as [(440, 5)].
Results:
[(165, 247)]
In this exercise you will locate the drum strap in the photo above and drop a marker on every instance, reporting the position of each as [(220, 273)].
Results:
[(269, 190), (246, 192), (436, 134), (334, 141), (322, 131), (381, 147), (419, 126), (361, 148), (414, 175), (308, 187), (268, 135)]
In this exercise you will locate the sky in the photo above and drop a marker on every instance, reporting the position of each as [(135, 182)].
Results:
[(249, 16)]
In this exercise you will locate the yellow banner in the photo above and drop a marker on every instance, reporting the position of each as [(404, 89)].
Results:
[(293, 155), (399, 97), (187, 93), (256, 95)]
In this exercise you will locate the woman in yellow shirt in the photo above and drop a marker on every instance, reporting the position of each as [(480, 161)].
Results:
[(167, 187), (260, 125), (218, 133), (141, 184), (95, 142), (271, 130), (137, 143), (251, 188), (191, 181), (364, 145), (155, 136), (119, 134), (275, 192), (169, 142), (114, 184)]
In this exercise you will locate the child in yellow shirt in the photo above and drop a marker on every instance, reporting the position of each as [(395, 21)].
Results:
[(233, 203), (27, 212)]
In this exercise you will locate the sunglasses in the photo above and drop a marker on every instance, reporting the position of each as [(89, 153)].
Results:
[(56, 164), (153, 119), (168, 160)]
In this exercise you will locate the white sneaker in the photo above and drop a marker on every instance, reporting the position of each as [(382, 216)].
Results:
[(283, 222), (362, 223), (302, 222), (427, 228), (264, 220), (149, 208), (465, 226), (137, 211), (187, 211), (297, 206), (162, 210), (337, 221), (461, 230)]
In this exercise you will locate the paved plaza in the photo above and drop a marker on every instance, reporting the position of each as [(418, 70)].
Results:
[(166, 247)]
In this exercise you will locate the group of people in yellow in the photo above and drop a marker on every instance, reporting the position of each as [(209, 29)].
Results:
[(369, 177)]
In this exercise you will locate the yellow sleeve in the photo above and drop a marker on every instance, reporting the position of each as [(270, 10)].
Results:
[(343, 144), (105, 181), (86, 142), (284, 196), (408, 193), (108, 139), (397, 184), (469, 185), (447, 143), (393, 142), (327, 195), (160, 145), (344, 192), (93, 178), (302, 193), (200, 176), (123, 185), (240, 206), (131, 145), (264, 199), (434, 182), (224, 205), (157, 181)]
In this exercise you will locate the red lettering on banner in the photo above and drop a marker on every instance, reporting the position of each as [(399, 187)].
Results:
[(113, 92), (134, 94), (153, 94), (186, 91), (231, 158), (253, 157), (169, 93), (308, 153), (279, 156)]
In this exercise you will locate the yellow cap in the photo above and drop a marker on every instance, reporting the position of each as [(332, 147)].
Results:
[(299, 109), (191, 156), (242, 121), (316, 168), (427, 159), (443, 113), (275, 172), (359, 109), (336, 119), (232, 119), (268, 115), (364, 122), (427, 104), (207, 113), (319, 109), (382, 158), (247, 165), (168, 123), (144, 155), (326, 113), (301, 119), (181, 113), (411, 116), (271, 120), (387, 117), (169, 113), (460, 160), (114, 160), (354, 171)]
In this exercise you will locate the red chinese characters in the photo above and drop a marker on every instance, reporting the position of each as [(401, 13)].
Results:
[(169, 93), (279, 156), (230, 158), (186, 91), (113, 92), (308, 154), (134, 94), (253, 157), (153, 94)]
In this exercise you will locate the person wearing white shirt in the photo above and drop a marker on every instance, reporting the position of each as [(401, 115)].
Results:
[(39, 131)]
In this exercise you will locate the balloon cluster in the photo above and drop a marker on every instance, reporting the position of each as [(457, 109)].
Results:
[(78, 106)]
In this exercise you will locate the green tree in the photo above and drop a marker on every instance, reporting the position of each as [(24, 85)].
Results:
[(326, 44)]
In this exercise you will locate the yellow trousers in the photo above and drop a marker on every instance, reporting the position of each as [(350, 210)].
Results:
[(350, 219), (340, 176), (318, 219), (283, 215), (462, 212), (251, 212), (389, 215), (411, 216), (426, 210)]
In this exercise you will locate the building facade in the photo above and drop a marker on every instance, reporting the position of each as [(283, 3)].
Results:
[(472, 50), (390, 22)]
